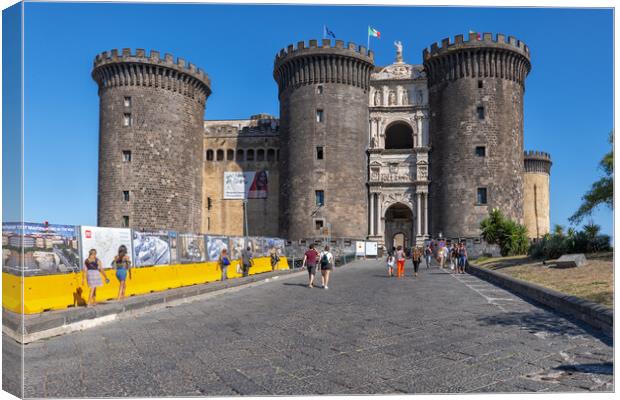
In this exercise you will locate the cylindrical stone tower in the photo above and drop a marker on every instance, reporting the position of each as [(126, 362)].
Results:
[(151, 113), (537, 167), (476, 130), (323, 94)]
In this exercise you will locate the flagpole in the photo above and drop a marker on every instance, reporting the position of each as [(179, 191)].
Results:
[(368, 38), (323, 31)]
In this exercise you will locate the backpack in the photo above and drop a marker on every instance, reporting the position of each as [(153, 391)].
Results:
[(225, 261), (324, 260)]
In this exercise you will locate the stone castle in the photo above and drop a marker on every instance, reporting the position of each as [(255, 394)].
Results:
[(398, 153)]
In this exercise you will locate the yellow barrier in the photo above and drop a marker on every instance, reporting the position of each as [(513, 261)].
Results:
[(56, 292)]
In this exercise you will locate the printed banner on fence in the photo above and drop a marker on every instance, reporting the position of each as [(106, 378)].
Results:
[(151, 248), (273, 244), (106, 241), (360, 248), (215, 245), (47, 248), (246, 185), (191, 248), (371, 249), (237, 244), (255, 246)]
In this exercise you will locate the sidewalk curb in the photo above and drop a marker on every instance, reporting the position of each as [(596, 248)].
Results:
[(55, 323), (593, 314)]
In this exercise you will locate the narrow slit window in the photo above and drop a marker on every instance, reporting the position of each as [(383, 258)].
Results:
[(126, 119), (209, 155), (481, 151), (480, 84), (320, 116), (127, 101), (126, 195), (319, 89), (319, 196), (125, 221), (319, 153), (126, 155), (480, 111), (318, 224), (481, 196)]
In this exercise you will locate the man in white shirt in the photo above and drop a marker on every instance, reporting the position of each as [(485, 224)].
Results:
[(326, 262)]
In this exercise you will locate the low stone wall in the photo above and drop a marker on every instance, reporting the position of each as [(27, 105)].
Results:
[(595, 315)]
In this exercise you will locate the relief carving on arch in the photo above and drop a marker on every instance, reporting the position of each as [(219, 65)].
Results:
[(393, 198)]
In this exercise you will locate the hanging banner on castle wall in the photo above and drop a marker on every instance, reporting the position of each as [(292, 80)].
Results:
[(246, 185), (106, 241), (215, 245), (190, 248), (47, 248), (237, 244), (151, 248)]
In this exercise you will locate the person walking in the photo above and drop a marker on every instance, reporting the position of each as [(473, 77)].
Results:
[(122, 265), (462, 258), (91, 274), (224, 262), (275, 259), (327, 264), (390, 263), (400, 262), (441, 255), (310, 258), (246, 260), (454, 258), (417, 259), (428, 255)]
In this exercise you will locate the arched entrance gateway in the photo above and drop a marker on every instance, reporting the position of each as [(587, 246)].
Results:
[(399, 226)]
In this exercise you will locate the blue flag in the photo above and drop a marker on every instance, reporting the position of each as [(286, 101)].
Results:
[(327, 32)]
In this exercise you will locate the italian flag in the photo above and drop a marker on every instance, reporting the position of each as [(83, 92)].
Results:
[(373, 32)]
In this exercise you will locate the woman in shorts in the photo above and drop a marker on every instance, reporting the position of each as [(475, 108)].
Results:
[(122, 265), (91, 274), (390, 263), (224, 262), (327, 264)]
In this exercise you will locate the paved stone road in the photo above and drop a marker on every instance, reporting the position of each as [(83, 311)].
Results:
[(366, 334)]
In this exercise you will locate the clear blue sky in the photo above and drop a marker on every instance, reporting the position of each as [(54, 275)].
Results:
[(568, 99)]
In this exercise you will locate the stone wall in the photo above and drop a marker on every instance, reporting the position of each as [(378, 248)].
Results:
[(153, 108), (463, 76), (226, 216)]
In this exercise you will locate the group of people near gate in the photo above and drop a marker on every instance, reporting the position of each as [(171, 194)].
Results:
[(455, 256)]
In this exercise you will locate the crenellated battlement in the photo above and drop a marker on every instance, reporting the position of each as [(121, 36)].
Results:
[(325, 46), (486, 39), (537, 161), (139, 56), (485, 57)]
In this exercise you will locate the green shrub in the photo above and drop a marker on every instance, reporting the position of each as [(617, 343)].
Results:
[(553, 246), (509, 235)]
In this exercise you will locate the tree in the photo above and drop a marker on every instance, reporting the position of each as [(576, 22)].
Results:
[(602, 191), (558, 230)]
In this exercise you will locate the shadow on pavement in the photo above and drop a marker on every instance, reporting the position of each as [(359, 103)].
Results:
[(545, 323), (606, 368), (296, 284)]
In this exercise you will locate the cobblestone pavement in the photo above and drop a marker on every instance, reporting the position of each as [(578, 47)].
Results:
[(366, 334)]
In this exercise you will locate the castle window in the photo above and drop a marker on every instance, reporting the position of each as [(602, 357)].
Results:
[(209, 203), (479, 84), (319, 152), (320, 116), (398, 135), (260, 155), (230, 155), (126, 155), (319, 198), (318, 224), (271, 155), (240, 155), (481, 151), (125, 221), (319, 89), (480, 111), (481, 196), (220, 155), (126, 119), (249, 155), (209, 155), (125, 195), (127, 101)]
